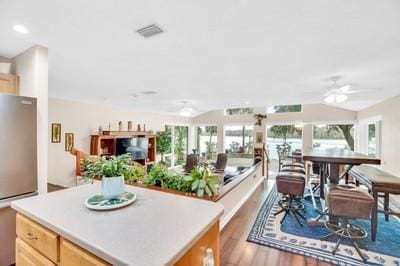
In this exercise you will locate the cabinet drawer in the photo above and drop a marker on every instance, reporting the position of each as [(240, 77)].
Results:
[(25, 255), (72, 255), (39, 237)]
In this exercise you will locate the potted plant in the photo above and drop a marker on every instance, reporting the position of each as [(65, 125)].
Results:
[(202, 182), (112, 171)]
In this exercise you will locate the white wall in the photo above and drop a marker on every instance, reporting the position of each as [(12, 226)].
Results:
[(389, 112), (32, 68), (84, 119)]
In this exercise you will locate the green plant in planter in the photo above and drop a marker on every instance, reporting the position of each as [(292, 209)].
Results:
[(201, 182), (135, 174), (103, 167), (158, 176)]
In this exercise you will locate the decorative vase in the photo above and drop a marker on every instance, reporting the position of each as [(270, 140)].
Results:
[(112, 187), (129, 125)]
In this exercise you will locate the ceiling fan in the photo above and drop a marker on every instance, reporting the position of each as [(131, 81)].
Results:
[(338, 93)]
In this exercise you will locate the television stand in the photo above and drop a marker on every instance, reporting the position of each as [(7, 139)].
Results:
[(106, 144)]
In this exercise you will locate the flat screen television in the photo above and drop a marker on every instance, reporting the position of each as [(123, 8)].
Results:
[(136, 147)]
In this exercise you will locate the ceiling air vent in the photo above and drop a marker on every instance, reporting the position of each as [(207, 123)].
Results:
[(150, 30)]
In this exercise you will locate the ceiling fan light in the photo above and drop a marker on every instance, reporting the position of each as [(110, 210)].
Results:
[(341, 98), (330, 98)]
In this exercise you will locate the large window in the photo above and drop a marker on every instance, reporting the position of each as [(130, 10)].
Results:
[(328, 136), (180, 144), (239, 111), (278, 136), (238, 143), (284, 108), (206, 141), (176, 154), (372, 139)]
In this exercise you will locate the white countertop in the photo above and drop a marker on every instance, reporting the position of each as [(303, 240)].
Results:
[(157, 229)]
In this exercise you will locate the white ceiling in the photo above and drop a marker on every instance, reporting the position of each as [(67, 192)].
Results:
[(214, 54)]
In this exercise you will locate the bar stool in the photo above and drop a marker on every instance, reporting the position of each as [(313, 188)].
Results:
[(294, 169), (291, 185), (347, 202), (293, 164)]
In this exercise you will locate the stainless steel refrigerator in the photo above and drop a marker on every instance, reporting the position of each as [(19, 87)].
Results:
[(18, 164)]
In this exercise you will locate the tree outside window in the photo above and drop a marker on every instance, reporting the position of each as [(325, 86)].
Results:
[(334, 136), (206, 141)]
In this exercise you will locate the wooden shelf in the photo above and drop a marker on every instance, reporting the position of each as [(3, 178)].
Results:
[(105, 145)]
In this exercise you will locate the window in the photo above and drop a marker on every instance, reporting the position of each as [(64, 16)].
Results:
[(372, 139), (206, 141), (176, 154), (180, 144), (239, 111), (284, 109), (328, 136), (282, 134), (238, 143)]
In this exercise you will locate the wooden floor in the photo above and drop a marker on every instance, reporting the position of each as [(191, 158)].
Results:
[(237, 251)]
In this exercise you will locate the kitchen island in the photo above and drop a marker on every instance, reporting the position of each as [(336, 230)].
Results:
[(157, 229)]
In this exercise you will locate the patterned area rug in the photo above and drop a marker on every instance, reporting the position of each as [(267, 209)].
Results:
[(292, 237)]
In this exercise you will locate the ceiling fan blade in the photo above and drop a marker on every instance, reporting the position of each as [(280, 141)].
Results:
[(361, 90)]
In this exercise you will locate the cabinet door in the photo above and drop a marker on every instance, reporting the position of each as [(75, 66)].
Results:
[(25, 255), (72, 255), (9, 84)]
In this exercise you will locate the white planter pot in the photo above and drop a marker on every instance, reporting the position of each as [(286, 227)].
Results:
[(112, 187)]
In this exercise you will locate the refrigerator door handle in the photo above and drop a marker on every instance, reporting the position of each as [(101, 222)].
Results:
[(5, 203)]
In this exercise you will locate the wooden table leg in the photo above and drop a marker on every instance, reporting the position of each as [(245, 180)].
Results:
[(386, 206), (374, 220), (333, 179)]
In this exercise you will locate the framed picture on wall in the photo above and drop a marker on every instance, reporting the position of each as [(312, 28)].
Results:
[(56, 133), (69, 141), (259, 137)]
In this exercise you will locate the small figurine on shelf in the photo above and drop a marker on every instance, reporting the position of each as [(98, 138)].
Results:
[(144, 127), (120, 125), (129, 125), (100, 130), (109, 126), (138, 128)]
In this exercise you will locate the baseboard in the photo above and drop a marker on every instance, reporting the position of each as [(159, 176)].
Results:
[(229, 216)]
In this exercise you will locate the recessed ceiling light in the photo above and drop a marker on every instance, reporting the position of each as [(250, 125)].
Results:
[(21, 29), (149, 92), (246, 102)]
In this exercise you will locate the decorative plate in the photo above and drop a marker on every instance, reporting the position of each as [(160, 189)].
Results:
[(98, 202)]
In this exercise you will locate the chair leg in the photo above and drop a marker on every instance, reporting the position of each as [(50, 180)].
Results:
[(337, 246), (284, 216), (374, 220), (355, 244), (279, 212)]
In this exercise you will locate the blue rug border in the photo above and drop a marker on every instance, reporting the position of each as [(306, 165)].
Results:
[(291, 248)]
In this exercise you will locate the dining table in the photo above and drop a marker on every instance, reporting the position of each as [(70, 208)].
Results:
[(330, 161)]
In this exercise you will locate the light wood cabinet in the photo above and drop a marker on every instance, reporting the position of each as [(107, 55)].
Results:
[(39, 237), (28, 256), (38, 246), (72, 255), (9, 84)]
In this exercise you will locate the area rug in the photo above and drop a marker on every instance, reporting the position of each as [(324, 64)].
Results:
[(304, 240)]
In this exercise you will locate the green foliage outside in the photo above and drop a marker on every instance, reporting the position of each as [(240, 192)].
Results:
[(180, 148), (239, 111), (336, 132), (163, 142), (287, 108), (211, 147)]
